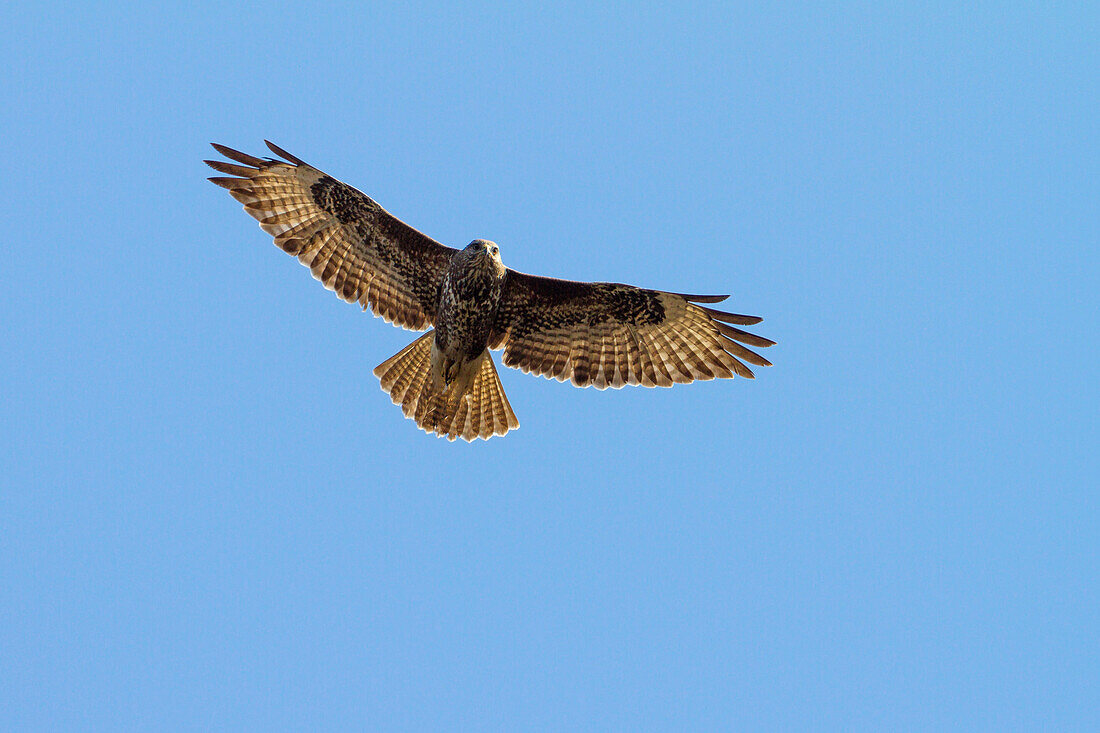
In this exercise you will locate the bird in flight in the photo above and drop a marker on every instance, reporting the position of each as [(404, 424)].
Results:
[(593, 334)]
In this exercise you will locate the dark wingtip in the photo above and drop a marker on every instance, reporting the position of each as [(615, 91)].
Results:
[(743, 336), (238, 156), (230, 168), (737, 318), (228, 183), (744, 354), (284, 154), (703, 298)]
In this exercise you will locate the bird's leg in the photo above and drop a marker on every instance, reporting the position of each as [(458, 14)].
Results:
[(450, 371)]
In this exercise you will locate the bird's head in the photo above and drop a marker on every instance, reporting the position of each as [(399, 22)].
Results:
[(482, 250), (484, 246)]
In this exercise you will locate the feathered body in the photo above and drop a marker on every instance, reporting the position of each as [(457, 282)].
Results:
[(593, 334), (468, 299)]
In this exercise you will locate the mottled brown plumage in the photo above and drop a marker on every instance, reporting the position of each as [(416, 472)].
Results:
[(599, 334)]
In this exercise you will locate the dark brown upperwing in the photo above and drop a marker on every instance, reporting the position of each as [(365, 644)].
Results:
[(611, 335), (349, 242)]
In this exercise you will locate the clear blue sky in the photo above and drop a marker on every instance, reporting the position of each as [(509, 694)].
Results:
[(212, 517)]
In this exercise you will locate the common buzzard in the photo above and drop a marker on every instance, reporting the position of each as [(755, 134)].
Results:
[(598, 334)]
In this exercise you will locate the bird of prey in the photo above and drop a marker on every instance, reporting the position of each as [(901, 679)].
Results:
[(593, 334)]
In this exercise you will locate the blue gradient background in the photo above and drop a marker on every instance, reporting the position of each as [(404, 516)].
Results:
[(212, 518)]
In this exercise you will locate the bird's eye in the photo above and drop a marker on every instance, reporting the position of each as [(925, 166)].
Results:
[(495, 250)]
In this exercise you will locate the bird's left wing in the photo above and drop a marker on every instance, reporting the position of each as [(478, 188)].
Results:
[(611, 335), (350, 243)]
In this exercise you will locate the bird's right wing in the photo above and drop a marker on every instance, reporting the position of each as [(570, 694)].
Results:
[(350, 243), (611, 335)]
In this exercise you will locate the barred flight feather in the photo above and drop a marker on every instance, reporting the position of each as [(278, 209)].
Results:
[(349, 242), (611, 335)]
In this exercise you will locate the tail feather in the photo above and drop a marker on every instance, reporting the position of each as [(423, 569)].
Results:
[(482, 412), (497, 415), (404, 374), (485, 411)]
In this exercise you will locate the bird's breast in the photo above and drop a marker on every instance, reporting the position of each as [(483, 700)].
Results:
[(468, 302)]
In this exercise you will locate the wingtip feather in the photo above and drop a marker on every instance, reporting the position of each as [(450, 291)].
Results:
[(234, 170), (741, 320), (227, 183), (284, 154), (744, 336), (703, 298), (237, 155)]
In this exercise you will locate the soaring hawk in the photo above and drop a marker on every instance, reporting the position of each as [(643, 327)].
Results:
[(598, 334)]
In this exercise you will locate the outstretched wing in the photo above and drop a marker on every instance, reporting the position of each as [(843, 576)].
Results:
[(610, 335), (350, 243)]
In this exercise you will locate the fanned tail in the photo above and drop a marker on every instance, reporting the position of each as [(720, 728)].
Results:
[(482, 412)]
